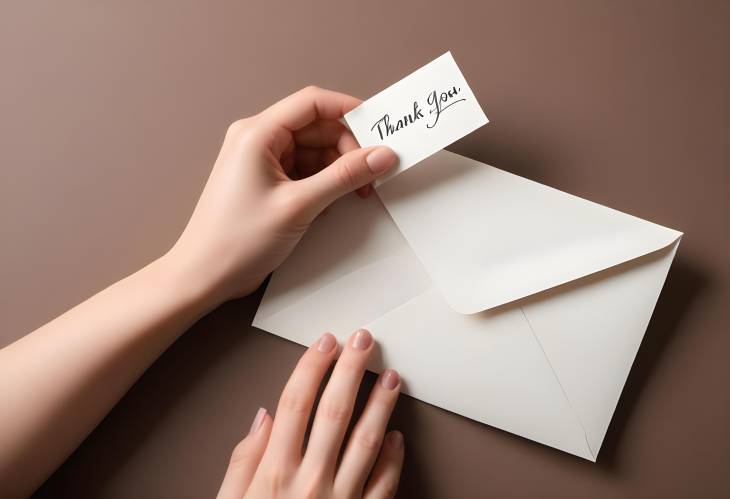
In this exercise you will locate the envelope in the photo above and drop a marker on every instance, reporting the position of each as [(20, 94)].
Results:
[(495, 297)]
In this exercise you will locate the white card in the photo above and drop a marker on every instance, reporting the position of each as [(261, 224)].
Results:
[(419, 115)]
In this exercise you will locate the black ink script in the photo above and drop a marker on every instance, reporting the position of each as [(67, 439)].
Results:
[(442, 101), (386, 127)]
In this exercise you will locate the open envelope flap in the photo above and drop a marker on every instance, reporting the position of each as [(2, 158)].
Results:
[(488, 237)]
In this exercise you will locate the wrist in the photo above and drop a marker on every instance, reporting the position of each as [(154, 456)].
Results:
[(187, 280)]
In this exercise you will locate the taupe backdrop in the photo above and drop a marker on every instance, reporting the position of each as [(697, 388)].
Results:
[(112, 114)]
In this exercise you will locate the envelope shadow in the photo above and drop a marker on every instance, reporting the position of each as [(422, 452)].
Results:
[(685, 283)]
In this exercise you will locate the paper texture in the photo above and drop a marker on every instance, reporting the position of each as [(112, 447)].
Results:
[(419, 115), (502, 237), (495, 297)]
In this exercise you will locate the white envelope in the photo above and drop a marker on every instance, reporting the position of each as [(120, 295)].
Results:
[(495, 297)]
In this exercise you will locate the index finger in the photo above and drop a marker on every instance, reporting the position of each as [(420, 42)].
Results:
[(309, 104)]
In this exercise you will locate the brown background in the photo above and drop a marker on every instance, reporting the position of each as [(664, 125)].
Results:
[(112, 114)]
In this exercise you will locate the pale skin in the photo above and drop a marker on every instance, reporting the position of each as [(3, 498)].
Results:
[(275, 173)]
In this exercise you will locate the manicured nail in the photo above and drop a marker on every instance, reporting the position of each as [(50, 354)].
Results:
[(326, 343), (362, 340), (395, 439), (381, 159), (258, 420), (389, 379)]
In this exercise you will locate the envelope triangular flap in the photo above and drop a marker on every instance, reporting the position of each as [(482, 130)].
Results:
[(354, 269), (488, 237)]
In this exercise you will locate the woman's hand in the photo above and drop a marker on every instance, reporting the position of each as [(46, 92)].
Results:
[(269, 463), (269, 182), (275, 173)]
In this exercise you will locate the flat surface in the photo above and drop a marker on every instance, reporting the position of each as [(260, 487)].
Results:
[(112, 115)]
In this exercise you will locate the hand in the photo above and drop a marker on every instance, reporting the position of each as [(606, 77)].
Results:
[(269, 464), (275, 173)]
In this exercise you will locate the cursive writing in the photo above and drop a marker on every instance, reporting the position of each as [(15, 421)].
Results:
[(440, 102), (386, 128)]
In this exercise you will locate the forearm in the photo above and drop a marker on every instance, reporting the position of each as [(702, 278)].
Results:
[(58, 382)]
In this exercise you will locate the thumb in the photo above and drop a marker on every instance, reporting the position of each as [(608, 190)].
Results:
[(349, 172)]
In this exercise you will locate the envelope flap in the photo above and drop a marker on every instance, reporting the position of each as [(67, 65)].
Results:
[(488, 237)]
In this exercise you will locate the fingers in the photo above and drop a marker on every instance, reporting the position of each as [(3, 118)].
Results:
[(305, 106), (335, 407), (351, 171), (297, 399), (306, 161), (326, 133), (246, 457), (383, 482), (272, 450), (367, 436)]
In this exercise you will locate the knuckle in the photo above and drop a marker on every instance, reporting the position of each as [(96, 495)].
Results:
[(236, 127), (368, 440), (312, 485), (347, 175), (294, 403), (335, 412), (311, 89), (240, 130), (241, 453), (276, 479), (310, 492), (389, 486)]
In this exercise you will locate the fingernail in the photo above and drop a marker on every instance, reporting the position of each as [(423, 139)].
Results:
[(362, 340), (389, 379), (258, 420), (395, 439), (326, 343), (381, 159)]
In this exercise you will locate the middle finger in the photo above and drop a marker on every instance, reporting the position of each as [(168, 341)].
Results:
[(335, 407)]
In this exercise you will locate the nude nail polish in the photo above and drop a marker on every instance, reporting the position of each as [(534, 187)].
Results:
[(381, 159), (326, 343), (362, 340), (389, 379), (258, 420)]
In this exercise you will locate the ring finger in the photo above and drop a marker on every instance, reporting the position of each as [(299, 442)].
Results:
[(367, 436)]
